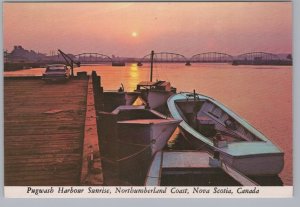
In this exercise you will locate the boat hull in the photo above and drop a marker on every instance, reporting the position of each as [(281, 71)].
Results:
[(154, 135), (258, 165), (129, 136), (137, 144), (157, 99), (190, 168), (131, 97), (255, 165)]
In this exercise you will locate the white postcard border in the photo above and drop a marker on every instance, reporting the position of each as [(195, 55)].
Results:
[(147, 192)]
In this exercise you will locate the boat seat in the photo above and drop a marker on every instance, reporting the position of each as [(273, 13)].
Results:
[(206, 126), (204, 120)]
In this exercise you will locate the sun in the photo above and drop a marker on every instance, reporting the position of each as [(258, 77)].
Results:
[(134, 34)]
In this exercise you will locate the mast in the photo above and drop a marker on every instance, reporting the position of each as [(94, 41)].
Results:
[(151, 65)]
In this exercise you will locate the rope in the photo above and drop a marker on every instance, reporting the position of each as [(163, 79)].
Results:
[(129, 143), (134, 154), (127, 157), (223, 163)]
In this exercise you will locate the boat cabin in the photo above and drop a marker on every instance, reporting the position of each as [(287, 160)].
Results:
[(158, 85)]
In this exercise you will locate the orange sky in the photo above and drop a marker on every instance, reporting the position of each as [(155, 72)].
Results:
[(186, 28)]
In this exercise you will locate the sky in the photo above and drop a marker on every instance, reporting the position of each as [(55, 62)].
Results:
[(134, 29)]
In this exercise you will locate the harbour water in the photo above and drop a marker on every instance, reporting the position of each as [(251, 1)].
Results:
[(260, 94)]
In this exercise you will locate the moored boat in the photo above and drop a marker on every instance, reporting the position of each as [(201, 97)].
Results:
[(192, 168), (130, 135), (114, 99), (156, 93), (208, 124), (137, 125), (152, 94)]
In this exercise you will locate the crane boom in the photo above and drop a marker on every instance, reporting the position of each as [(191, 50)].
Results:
[(70, 62)]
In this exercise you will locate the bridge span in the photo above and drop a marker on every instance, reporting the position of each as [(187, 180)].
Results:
[(93, 58), (258, 58), (211, 57)]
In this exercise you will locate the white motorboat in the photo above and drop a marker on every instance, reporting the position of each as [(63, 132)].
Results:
[(208, 124)]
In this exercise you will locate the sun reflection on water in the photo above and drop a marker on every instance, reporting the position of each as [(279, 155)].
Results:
[(134, 76)]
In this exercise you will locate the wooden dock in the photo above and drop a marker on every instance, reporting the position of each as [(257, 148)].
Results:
[(44, 129)]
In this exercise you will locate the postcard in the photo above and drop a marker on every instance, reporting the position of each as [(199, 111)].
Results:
[(148, 99)]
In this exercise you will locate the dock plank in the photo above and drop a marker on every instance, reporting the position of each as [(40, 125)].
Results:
[(39, 148)]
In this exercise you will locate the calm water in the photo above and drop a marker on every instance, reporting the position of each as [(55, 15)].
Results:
[(260, 94)]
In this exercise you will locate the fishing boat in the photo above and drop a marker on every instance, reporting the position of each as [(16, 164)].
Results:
[(192, 168), (114, 99), (155, 93), (208, 124), (137, 125), (152, 94), (130, 136)]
